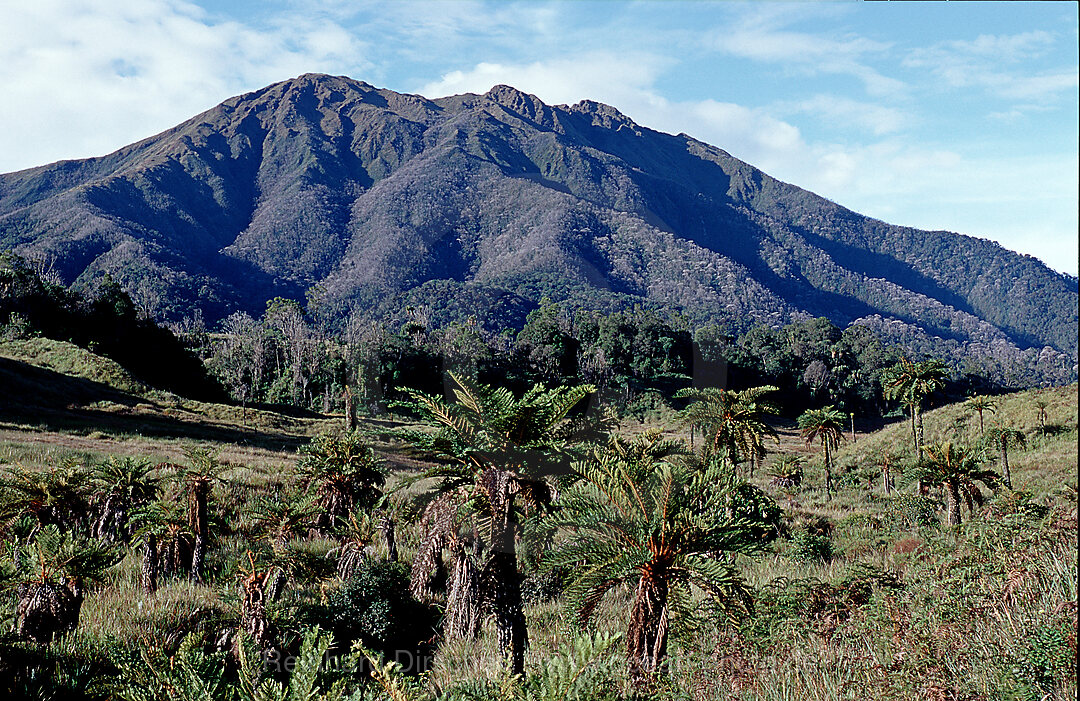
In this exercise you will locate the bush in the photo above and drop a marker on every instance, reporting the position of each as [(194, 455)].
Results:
[(752, 504), (810, 547), (375, 608), (911, 511)]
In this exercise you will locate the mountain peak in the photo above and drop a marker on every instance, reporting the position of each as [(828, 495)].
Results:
[(604, 115), (521, 103), (371, 194)]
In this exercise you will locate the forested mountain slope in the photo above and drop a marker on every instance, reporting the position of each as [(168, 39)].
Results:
[(360, 196)]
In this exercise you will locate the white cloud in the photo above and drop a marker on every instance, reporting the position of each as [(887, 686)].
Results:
[(615, 79), (1003, 65), (762, 35), (844, 113), (82, 78)]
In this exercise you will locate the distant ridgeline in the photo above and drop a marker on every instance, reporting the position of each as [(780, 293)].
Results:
[(363, 203)]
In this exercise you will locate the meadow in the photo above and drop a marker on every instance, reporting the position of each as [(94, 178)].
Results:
[(862, 590)]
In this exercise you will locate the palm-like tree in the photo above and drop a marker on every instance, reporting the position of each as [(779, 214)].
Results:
[(825, 425), (56, 566), (197, 479), (956, 469), (911, 383), (162, 526), (733, 422), (56, 496), (786, 472), (502, 452), (122, 485), (1002, 437), (345, 474), (284, 516), (1040, 410), (980, 403), (661, 524)]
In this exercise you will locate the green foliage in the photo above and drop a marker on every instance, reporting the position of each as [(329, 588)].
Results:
[(57, 556), (1046, 656), (808, 546), (54, 496), (642, 517), (106, 323), (74, 669), (733, 423), (374, 608), (193, 674), (911, 511), (754, 507), (345, 474), (583, 669)]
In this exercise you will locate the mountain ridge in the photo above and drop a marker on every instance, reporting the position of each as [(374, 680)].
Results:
[(363, 193)]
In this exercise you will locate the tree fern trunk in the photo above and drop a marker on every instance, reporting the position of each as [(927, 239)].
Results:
[(914, 432), (952, 500), (1005, 465), (149, 573), (199, 522), (386, 527), (198, 553), (501, 577), (464, 598), (646, 640), (918, 430), (828, 468), (507, 606)]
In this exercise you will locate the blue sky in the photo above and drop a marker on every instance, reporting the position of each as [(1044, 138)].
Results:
[(957, 116)]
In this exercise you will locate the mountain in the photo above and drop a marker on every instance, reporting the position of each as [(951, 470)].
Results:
[(368, 199)]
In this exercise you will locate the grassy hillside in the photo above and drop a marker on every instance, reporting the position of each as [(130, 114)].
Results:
[(864, 595)]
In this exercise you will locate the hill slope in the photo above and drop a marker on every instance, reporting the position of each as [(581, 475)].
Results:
[(368, 194)]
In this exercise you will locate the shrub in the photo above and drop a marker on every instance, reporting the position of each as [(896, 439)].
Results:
[(752, 504), (911, 512), (374, 607), (809, 547)]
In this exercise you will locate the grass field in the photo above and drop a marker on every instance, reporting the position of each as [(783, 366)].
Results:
[(865, 595)]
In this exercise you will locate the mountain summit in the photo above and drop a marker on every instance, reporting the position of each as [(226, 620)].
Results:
[(374, 198)]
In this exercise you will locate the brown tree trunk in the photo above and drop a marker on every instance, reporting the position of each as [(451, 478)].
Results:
[(646, 639), (505, 587), (46, 610), (501, 578), (952, 501), (1005, 464), (914, 431), (149, 574), (253, 620), (386, 527), (109, 525), (464, 597), (199, 522), (828, 467), (350, 410), (918, 430)]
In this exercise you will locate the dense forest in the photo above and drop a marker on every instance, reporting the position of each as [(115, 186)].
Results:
[(638, 358)]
